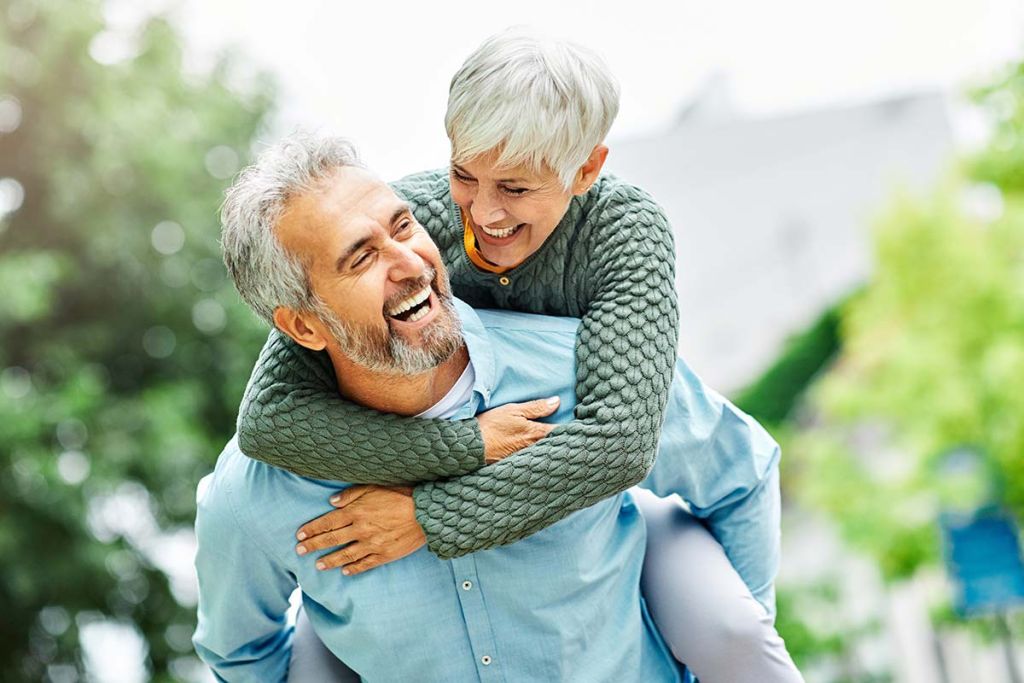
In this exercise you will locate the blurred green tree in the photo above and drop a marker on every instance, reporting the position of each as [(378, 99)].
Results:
[(932, 361), (123, 348)]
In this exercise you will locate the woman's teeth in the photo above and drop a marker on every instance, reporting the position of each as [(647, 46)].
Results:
[(500, 232)]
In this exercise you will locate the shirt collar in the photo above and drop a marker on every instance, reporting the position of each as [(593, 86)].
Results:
[(478, 344)]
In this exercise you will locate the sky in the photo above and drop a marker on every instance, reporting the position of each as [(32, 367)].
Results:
[(378, 72)]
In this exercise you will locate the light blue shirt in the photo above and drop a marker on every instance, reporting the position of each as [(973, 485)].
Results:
[(563, 604)]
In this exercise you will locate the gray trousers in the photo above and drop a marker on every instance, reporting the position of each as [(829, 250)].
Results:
[(703, 609)]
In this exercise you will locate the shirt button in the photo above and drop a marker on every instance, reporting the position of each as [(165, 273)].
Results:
[(485, 660), (504, 281), (466, 585)]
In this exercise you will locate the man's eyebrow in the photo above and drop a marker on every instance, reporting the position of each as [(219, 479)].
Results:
[(405, 208), (339, 265)]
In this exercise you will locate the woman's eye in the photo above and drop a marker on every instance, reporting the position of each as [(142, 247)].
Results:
[(515, 191), (461, 178)]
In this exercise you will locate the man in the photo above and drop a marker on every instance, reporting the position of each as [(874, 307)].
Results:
[(563, 604)]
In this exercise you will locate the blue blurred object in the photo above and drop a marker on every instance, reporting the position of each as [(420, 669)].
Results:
[(983, 557)]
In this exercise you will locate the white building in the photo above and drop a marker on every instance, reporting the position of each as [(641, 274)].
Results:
[(772, 216)]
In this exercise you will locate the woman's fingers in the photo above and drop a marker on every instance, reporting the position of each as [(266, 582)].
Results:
[(329, 539), (335, 519), (339, 558)]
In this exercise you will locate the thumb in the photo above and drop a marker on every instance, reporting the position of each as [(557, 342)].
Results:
[(542, 407)]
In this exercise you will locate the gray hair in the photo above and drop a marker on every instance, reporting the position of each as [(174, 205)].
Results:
[(265, 274), (541, 102)]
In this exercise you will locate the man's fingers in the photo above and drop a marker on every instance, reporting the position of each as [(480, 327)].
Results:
[(347, 555), (329, 539), (335, 519), (542, 407)]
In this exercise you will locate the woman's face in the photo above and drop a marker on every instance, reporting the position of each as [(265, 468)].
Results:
[(511, 211)]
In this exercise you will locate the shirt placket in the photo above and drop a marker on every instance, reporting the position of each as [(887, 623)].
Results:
[(478, 623)]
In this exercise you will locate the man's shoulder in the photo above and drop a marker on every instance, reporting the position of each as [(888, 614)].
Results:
[(236, 479), (494, 320)]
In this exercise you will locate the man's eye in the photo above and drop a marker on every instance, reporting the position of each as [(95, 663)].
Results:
[(403, 226), (362, 259)]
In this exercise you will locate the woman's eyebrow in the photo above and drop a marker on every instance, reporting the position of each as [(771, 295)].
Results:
[(462, 171)]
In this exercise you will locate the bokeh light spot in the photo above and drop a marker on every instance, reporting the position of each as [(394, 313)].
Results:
[(168, 237), (159, 341), (10, 114), (222, 162), (208, 316)]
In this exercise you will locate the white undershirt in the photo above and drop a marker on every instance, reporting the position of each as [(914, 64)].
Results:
[(457, 396)]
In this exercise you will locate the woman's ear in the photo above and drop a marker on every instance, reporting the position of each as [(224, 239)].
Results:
[(301, 328), (590, 170)]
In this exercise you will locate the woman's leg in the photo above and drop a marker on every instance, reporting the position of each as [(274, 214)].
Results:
[(700, 604), (311, 661)]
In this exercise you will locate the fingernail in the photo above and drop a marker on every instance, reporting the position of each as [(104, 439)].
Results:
[(335, 499), (301, 550), (553, 400), (321, 565), (301, 535), (345, 572)]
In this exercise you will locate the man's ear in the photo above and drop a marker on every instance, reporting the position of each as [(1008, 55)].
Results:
[(300, 327), (591, 168)]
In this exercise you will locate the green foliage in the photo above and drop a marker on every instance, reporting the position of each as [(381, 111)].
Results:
[(123, 348), (933, 358), (1002, 162), (772, 397), (932, 362)]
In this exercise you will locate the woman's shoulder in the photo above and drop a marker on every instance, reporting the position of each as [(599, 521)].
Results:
[(424, 186), (613, 204)]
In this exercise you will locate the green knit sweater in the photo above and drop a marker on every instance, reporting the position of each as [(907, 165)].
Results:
[(610, 262)]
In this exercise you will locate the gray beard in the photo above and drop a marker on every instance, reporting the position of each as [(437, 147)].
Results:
[(390, 354)]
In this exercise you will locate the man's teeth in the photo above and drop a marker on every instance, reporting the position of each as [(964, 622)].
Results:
[(500, 232), (414, 300), (418, 314)]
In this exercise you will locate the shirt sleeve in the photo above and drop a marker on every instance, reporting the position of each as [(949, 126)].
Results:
[(293, 418), (242, 634), (725, 466), (624, 357)]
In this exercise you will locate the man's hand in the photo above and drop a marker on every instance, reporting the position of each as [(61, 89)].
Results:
[(512, 427), (376, 524)]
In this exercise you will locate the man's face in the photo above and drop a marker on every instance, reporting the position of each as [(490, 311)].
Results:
[(384, 291)]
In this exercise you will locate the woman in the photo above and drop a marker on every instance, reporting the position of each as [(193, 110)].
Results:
[(524, 220)]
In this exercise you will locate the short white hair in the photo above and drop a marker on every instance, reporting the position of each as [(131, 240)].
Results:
[(538, 101), (264, 272)]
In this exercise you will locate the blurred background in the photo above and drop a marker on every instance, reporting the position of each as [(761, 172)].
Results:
[(846, 181)]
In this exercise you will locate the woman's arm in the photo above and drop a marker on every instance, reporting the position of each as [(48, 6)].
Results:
[(292, 417), (625, 354)]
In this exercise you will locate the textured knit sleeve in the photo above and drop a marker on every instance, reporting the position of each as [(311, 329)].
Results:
[(625, 354), (292, 417)]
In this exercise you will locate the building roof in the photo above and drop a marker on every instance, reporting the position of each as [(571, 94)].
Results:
[(772, 216)]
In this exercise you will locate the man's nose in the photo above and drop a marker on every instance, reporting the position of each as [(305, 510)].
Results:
[(406, 263), (486, 208)]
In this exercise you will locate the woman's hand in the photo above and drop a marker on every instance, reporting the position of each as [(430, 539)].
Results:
[(376, 524), (512, 427)]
